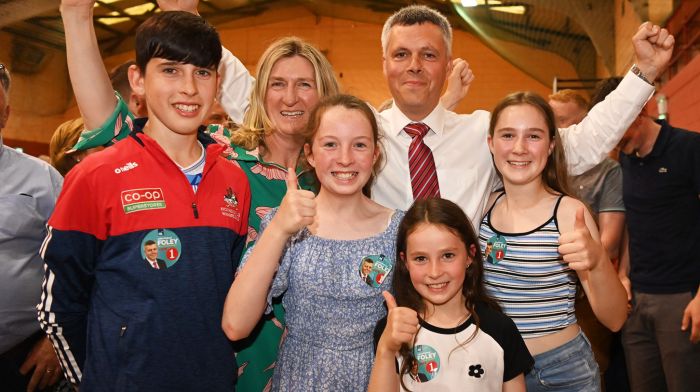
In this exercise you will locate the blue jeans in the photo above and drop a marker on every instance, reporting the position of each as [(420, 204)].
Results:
[(569, 367)]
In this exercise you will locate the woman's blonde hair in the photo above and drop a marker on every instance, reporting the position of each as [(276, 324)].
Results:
[(256, 122), (60, 148)]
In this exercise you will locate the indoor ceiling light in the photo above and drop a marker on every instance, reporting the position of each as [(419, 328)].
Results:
[(135, 10), (494, 5)]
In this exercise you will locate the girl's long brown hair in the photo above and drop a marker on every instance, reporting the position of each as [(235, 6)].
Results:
[(554, 175), (444, 213)]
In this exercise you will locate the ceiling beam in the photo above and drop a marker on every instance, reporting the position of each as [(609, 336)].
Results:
[(596, 18), (17, 10)]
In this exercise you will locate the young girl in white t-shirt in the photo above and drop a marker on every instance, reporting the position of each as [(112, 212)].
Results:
[(443, 333)]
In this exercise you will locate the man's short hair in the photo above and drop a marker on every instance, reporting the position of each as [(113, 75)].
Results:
[(149, 243), (417, 14), (568, 95), (119, 76), (5, 78), (603, 88), (178, 36)]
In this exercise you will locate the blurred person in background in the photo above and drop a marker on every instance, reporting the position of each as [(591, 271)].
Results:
[(28, 191)]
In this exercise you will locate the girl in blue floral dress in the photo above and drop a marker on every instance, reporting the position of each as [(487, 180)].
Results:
[(331, 255)]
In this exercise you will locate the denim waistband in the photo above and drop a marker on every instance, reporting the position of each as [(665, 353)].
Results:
[(579, 345)]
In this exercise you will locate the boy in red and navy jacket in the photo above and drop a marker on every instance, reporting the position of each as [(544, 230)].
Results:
[(146, 235)]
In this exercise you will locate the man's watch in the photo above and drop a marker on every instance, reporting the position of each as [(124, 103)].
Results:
[(635, 70)]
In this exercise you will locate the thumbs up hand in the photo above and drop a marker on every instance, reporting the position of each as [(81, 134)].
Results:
[(578, 247), (298, 207), (401, 325)]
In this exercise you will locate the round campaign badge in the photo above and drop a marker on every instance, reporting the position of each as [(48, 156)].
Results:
[(496, 249), (427, 363), (374, 269), (161, 248)]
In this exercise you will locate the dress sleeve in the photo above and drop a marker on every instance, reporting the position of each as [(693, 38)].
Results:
[(586, 144), (116, 127), (280, 282)]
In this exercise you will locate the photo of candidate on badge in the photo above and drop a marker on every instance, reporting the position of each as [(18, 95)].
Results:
[(496, 248), (374, 269), (161, 249)]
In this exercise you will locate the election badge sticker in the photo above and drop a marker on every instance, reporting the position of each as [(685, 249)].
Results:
[(496, 249), (161, 248), (374, 269), (427, 363)]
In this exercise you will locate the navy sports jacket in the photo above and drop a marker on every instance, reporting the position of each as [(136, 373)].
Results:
[(117, 322)]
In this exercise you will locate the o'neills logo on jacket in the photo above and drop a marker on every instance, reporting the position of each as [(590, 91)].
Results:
[(142, 199)]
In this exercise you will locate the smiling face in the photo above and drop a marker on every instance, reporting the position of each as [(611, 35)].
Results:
[(291, 94), (151, 251), (437, 261), (367, 267), (416, 65), (520, 144), (343, 151), (178, 95)]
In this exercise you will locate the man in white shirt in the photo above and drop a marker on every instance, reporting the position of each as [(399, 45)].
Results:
[(416, 43)]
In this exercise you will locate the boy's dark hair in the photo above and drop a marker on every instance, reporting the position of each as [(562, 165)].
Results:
[(178, 36), (119, 77), (603, 88), (444, 213)]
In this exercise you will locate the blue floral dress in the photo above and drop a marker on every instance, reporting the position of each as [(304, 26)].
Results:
[(332, 305)]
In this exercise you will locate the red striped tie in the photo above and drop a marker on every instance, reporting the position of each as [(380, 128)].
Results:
[(421, 164)]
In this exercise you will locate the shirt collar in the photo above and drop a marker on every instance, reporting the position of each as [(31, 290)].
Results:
[(435, 120), (661, 139)]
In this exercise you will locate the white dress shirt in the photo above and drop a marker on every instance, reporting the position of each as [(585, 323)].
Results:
[(236, 85), (463, 161)]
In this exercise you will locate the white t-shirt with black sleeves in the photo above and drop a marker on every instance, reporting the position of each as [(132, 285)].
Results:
[(496, 354)]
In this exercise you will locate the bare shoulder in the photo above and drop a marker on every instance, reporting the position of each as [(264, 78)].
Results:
[(492, 199), (375, 209), (566, 214)]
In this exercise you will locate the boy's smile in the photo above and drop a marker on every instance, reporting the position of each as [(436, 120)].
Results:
[(178, 95)]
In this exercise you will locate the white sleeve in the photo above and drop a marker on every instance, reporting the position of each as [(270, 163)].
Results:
[(586, 144), (236, 86)]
